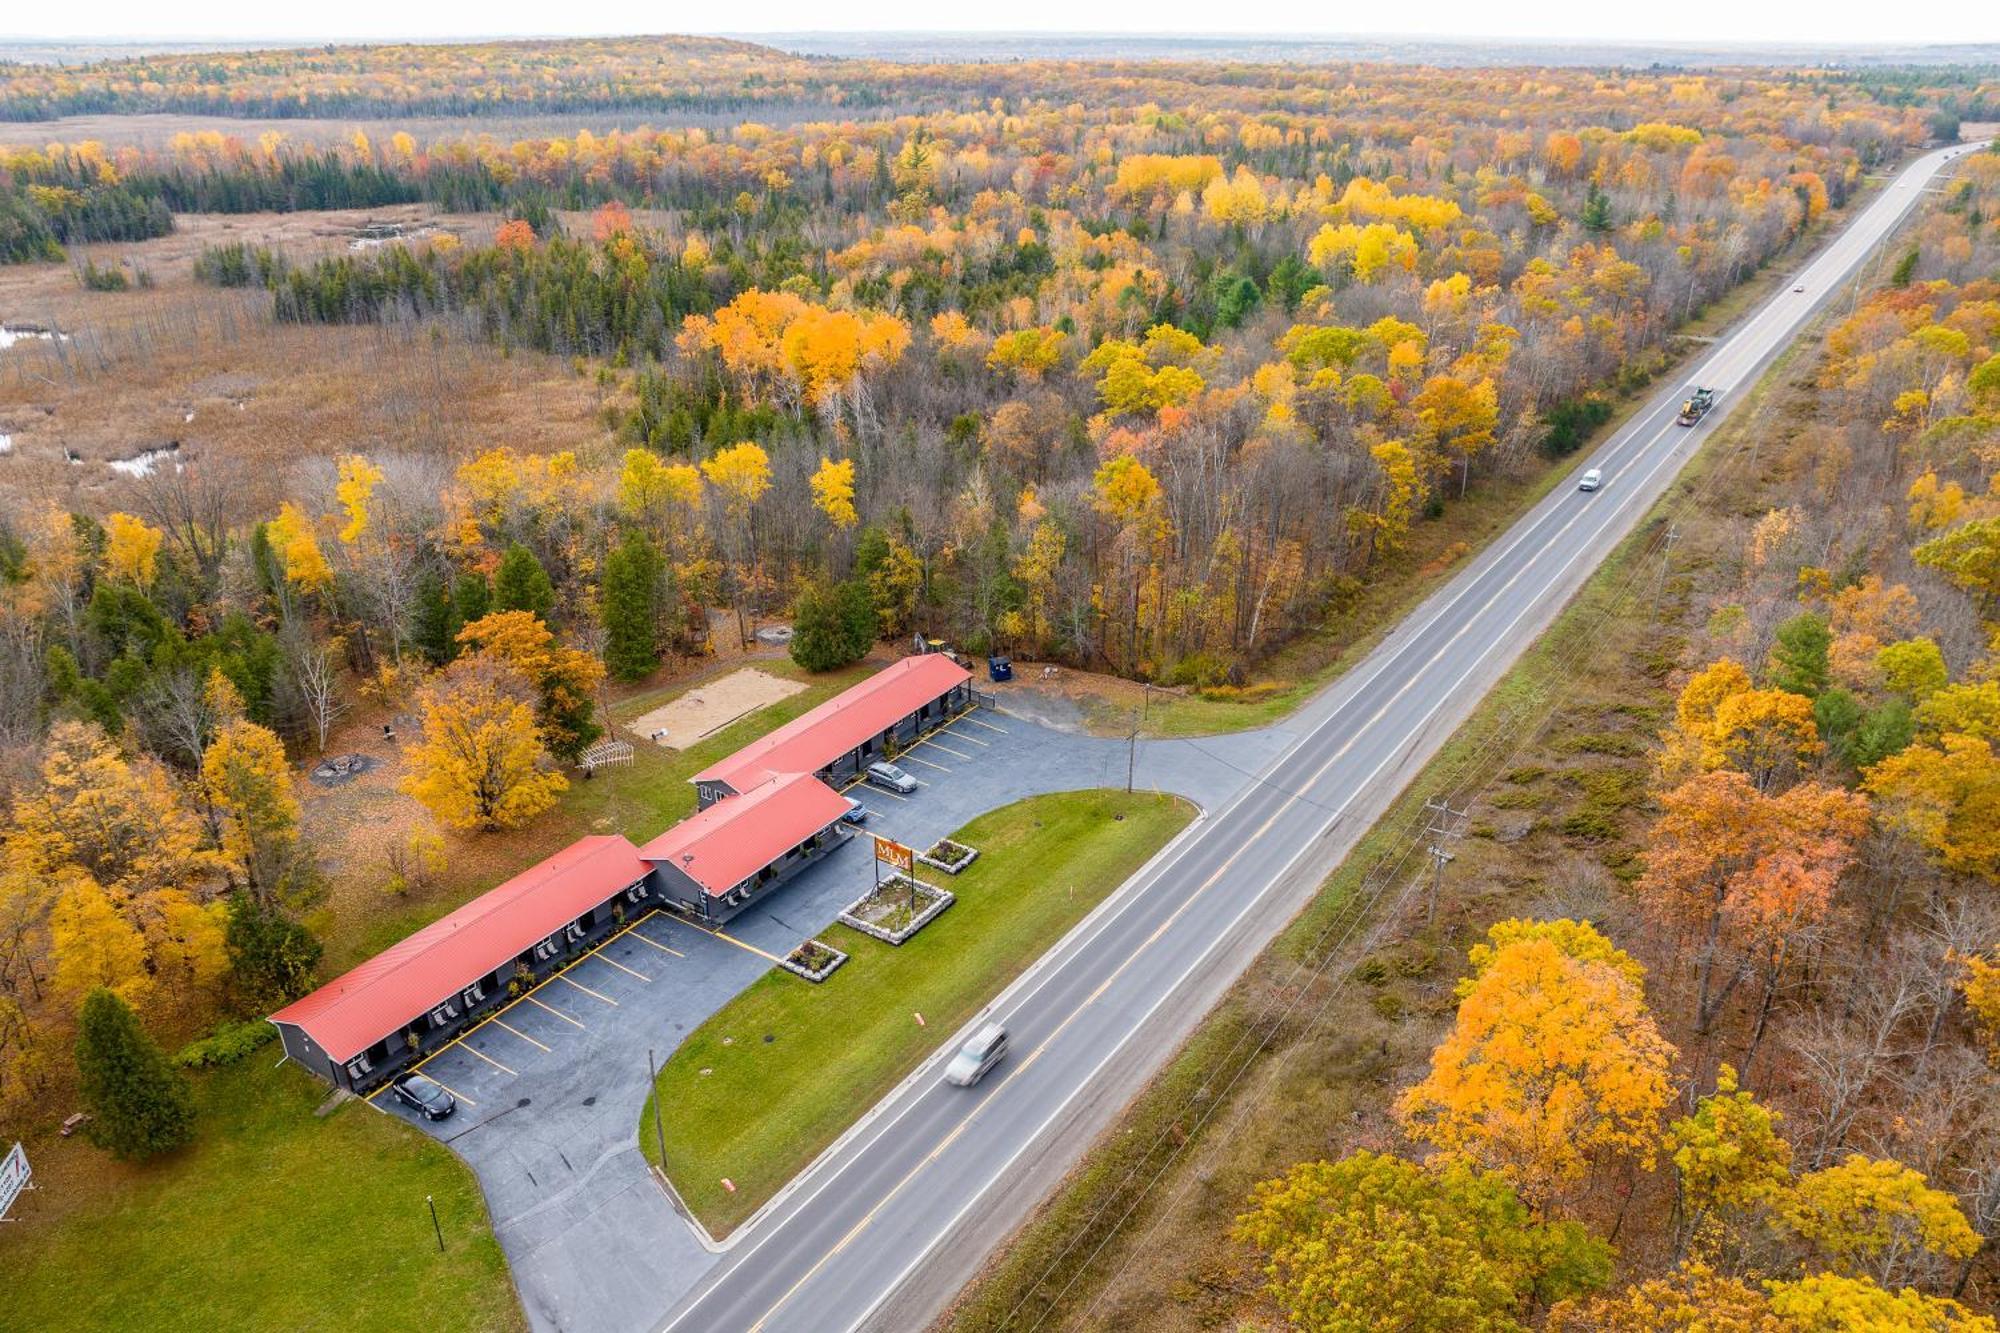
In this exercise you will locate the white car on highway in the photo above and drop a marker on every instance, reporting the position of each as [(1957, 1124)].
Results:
[(982, 1051), (1591, 480)]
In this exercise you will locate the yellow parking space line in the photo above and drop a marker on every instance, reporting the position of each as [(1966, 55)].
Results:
[(742, 944), (927, 763), (648, 939), (946, 748), (456, 1094), (878, 791), (484, 1056), (552, 1009), (498, 1023), (587, 990), (969, 740), (602, 957), (977, 723)]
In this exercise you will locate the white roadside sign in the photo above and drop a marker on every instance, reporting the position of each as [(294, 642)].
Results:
[(14, 1174)]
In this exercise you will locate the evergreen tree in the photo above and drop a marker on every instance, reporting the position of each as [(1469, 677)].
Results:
[(1799, 657), (522, 584), (271, 956), (631, 607), (471, 599), (436, 624), (833, 625), (140, 1105), (860, 621), (1906, 268), (1596, 210)]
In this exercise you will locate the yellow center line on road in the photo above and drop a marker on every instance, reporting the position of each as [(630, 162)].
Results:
[(563, 976), (460, 1042), (644, 938), (500, 1023), (946, 748), (603, 957), (552, 1009), (744, 944)]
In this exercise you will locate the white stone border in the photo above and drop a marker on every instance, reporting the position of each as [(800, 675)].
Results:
[(971, 855), (799, 970), (940, 899)]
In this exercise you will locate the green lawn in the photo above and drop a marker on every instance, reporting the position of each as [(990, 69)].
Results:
[(769, 1107), (272, 1219)]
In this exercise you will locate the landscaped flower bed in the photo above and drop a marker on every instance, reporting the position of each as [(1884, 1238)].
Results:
[(948, 856), (814, 960), (898, 908)]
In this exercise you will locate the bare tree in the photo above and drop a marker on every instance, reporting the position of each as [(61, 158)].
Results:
[(1848, 1055), (318, 683)]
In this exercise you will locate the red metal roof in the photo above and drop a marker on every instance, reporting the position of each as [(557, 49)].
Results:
[(739, 835), (405, 981), (813, 740)]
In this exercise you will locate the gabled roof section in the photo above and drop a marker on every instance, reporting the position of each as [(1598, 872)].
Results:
[(739, 835), (815, 739), (354, 1011)]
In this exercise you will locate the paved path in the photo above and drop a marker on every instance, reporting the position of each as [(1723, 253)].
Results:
[(887, 1226)]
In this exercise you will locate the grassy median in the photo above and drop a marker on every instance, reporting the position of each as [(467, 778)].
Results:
[(760, 1089), (272, 1218)]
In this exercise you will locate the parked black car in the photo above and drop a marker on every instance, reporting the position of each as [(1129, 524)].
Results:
[(426, 1096)]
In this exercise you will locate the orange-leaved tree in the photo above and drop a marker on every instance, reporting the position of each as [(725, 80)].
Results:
[(1553, 1065), (1736, 865)]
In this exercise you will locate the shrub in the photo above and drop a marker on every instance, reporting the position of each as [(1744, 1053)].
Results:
[(1571, 423), (226, 1045)]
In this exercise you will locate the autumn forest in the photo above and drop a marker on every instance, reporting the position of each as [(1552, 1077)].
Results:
[(581, 361)]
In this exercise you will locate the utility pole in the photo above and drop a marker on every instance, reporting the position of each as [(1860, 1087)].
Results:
[(1445, 825), (1132, 741), (1666, 559), (432, 1205)]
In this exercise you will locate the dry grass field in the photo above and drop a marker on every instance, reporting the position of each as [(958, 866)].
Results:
[(207, 372)]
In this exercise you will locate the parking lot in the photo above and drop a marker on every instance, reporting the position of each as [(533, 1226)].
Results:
[(551, 1087)]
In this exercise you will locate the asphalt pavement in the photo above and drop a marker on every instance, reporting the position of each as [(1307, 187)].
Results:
[(892, 1220)]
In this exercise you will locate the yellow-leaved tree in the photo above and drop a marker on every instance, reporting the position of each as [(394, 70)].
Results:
[(246, 780), (479, 761), (297, 549), (1553, 1065), (356, 486), (131, 548), (833, 491)]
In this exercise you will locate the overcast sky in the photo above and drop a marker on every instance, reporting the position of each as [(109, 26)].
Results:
[(1707, 21)]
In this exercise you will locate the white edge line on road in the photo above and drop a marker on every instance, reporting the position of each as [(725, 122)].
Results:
[(1034, 1137), (1443, 601)]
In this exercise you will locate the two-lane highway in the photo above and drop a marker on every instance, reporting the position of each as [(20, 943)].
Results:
[(891, 1221)]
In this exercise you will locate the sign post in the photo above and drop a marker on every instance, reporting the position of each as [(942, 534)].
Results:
[(901, 857), (15, 1174)]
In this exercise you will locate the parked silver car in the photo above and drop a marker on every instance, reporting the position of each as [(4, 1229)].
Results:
[(886, 774), (982, 1051)]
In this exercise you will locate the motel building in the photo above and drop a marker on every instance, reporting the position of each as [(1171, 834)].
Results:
[(360, 1029), (713, 863), (765, 813), (848, 732)]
